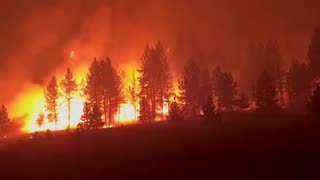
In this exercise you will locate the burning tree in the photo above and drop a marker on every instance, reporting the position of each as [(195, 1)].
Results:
[(155, 80), (40, 119), (68, 86), (91, 118), (208, 110), (190, 87), (104, 88), (111, 90), (51, 97), (206, 88), (298, 85), (145, 110), (85, 118), (175, 114), (225, 90), (314, 106), (4, 119), (265, 92)]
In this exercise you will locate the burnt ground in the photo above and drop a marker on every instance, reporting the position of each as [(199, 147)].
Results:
[(241, 147)]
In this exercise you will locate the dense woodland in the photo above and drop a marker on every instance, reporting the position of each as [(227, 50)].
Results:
[(205, 94)]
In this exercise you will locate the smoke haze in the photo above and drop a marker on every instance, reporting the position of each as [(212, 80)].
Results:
[(38, 36)]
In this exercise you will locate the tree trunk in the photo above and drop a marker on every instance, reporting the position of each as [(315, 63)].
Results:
[(110, 111), (56, 119), (69, 112), (105, 109)]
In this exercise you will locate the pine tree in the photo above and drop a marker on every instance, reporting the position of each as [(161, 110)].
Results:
[(165, 91), (40, 120), (190, 90), (69, 87), (175, 114), (275, 68), (209, 110), (314, 54), (4, 119), (298, 85), (96, 121), (94, 88), (155, 80), (225, 90), (216, 75), (51, 97), (145, 110), (111, 90), (104, 88), (265, 92), (206, 88), (85, 118), (314, 106)]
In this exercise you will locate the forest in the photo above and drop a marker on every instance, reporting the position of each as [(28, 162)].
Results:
[(200, 94)]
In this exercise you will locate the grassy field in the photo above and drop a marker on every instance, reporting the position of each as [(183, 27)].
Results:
[(242, 146)]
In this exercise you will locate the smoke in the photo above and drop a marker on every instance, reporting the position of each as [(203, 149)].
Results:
[(38, 36)]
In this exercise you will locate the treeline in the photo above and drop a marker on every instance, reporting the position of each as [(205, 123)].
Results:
[(203, 92)]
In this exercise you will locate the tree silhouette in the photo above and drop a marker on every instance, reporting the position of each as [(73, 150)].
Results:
[(145, 110), (40, 120), (94, 87), (96, 118), (314, 54), (91, 118), (69, 87), (51, 97), (314, 106), (86, 116), (206, 88), (111, 90), (175, 114), (225, 90), (104, 88), (208, 110), (275, 68), (266, 57), (265, 95), (4, 119), (215, 78), (155, 80), (190, 90), (164, 79), (298, 85)]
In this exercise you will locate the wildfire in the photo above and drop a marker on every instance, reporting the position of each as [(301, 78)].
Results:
[(32, 103), (127, 113)]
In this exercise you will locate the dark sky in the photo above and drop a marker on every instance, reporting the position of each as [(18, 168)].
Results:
[(37, 35)]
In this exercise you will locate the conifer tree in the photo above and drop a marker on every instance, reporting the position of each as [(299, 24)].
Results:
[(190, 87), (266, 92), (51, 97), (145, 110), (69, 87), (4, 119)]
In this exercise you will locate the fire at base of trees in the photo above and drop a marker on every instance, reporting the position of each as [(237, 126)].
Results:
[(203, 94)]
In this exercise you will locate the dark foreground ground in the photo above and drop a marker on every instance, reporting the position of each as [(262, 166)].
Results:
[(242, 147)]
